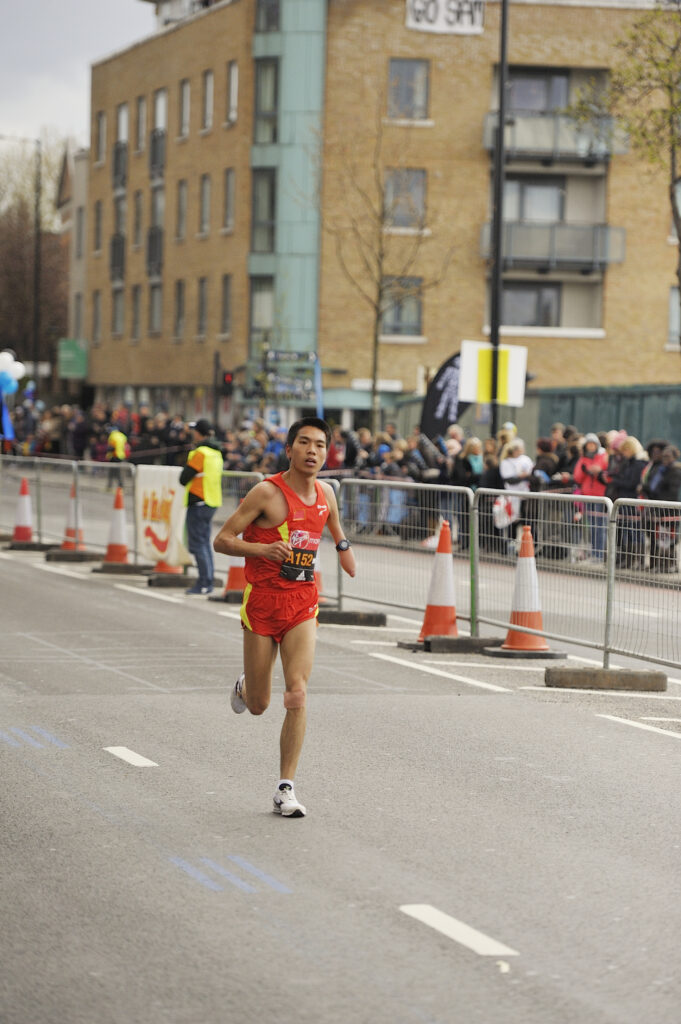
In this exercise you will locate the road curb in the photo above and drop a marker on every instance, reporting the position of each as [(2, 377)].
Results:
[(605, 679), (334, 617), (462, 644)]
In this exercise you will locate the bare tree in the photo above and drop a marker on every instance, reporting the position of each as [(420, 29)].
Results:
[(643, 94), (380, 233)]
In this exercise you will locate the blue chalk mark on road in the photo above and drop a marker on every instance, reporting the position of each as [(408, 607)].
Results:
[(9, 740), (253, 870), (194, 873), (224, 873), (26, 738), (50, 738)]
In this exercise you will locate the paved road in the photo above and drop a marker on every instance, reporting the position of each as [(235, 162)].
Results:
[(477, 848)]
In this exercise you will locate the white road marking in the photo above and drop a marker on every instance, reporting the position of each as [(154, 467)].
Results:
[(602, 693), (640, 725), (415, 666), (62, 572), (148, 593), (131, 757), (651, 718), (374, 643), (677, 682), (485, 665), (590, 661), (460, 932)]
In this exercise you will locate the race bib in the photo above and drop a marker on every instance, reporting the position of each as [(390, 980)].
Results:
[(300, 564)]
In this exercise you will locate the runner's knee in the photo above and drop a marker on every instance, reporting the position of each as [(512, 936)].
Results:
[(294, 699), (257, 705)]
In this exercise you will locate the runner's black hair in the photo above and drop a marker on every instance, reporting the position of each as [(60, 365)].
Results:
[(308, 421)]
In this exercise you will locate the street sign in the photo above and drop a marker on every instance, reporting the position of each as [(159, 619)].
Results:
[(71, 359), (277, 355), (449, 17)]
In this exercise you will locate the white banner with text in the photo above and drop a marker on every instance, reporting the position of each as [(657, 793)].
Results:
[(453, 17)]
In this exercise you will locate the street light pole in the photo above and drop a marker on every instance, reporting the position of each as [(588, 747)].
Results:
[(498, 218)]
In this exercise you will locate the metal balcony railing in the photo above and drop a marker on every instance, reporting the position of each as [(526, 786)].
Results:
[(581, 247), (154, 252), (157, 153), (120, 165), (556, 137), (117, 257)]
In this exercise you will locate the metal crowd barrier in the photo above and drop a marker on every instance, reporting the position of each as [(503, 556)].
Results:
[(608, 573)]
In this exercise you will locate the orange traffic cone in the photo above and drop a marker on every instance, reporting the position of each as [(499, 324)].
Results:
[(73, 539), (236, 576), (440, 617), (525, 611), (23, 527), (117, 550), (163, 567)]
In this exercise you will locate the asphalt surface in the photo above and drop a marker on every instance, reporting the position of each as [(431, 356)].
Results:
[(478, 848)]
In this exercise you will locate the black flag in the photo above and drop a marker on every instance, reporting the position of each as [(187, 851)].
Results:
[(441, 406)]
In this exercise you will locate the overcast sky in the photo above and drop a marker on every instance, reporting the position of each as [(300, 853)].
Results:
[(46, 49)]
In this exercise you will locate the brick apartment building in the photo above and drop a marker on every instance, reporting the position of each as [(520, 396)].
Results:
[(255, 164)]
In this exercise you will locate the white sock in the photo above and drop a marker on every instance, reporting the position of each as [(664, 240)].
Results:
[(285, 782)]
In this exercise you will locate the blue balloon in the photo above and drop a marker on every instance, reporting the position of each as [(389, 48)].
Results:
[(8, 385)]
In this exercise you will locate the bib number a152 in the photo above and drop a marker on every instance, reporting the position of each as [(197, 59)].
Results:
[(300, 564)]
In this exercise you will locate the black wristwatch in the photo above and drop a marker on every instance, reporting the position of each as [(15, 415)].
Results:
[(343, 545)]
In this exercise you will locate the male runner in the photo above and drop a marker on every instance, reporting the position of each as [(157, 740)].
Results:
[(281, 520)]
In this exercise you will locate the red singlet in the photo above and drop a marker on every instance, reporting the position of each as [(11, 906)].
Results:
[(279, 596)]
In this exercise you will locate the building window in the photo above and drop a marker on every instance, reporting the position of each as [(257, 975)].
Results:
[(202, 307), (226, 309), (204, 205), (141, 124), (266, 77), (207, 101), (232, 91), (96, 317), (183, 115), (78, 315), (537, 90), (158, 203), (526, 304), (138, 202), (100, 137), (80, 232), (120, 215), (98, 226), (160, 110), (122, 123), (181, 225), (264, 209), (408, 89), (261, 313), (405, 198), (267, 16), (155, 307), (228, 207), (673, 339), (178, 328), (136, 311), (117, 311), (534, 199), (402, 306)]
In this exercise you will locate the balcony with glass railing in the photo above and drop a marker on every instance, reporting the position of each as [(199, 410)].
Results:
[(544, 247), (556, 138)]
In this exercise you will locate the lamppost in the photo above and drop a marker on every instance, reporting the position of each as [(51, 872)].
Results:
[(498, 216), (37, 188)]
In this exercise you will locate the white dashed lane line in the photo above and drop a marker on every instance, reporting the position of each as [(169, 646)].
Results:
[(125, 754), (148, 593), (460, 932)]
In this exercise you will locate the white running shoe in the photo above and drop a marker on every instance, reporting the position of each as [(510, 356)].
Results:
[(235, 698), (285, 802)]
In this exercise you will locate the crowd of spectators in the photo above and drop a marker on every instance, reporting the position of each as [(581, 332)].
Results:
[(611, 464)]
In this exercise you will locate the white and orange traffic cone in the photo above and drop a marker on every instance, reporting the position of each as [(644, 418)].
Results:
[(73, 536), (117, 549), (526, 610), (440, 617), (23, 525)]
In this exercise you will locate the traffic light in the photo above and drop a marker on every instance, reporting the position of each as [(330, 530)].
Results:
[(227, 384)]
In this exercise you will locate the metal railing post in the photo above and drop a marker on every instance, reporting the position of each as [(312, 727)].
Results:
[(76, 515), (38, 500), (473, 511), (610, 558)]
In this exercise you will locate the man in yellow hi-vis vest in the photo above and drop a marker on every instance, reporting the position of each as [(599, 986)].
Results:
[(202, 477)]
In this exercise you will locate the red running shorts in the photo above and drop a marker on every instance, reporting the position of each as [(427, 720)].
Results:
[(273, 612)]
